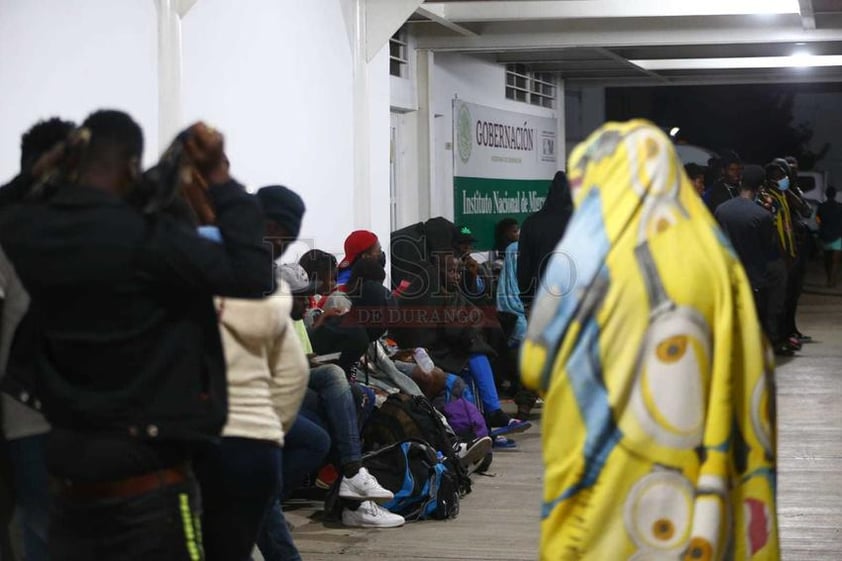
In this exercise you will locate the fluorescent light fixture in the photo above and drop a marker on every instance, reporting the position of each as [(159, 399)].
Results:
[(674, 131), (796, 60)]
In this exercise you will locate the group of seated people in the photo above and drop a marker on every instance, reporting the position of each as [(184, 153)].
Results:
[(168, 363)]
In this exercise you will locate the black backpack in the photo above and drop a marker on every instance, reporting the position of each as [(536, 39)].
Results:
[(405, 417), (423, 485)]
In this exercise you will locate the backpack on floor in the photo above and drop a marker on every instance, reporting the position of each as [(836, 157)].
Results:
[(404, 417), (457, 403), (423, 485)]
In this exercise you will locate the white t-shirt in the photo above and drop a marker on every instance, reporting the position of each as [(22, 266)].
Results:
[(19, 421)]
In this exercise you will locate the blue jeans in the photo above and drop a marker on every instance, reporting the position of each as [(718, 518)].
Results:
[(483, 376), (305, 447), (334, 391), (239, 479), (32, 493)]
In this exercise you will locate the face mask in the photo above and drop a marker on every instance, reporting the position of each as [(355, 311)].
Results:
[(382, 260), (783, 184)]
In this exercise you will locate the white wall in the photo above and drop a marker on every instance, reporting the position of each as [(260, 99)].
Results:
[(475, 79), (275, 77), (379, 125), (280, 86), (70, 58), (403, 94)]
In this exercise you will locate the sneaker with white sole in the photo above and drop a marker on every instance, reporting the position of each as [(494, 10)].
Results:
[(371, 515), (473, 454), (363, 487)]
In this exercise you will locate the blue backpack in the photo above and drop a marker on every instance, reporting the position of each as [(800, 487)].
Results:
[(423, 485)]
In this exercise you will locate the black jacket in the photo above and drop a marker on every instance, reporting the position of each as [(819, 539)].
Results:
[(540, 234), (444, 323), (122, 334), (751, 229), (720, 192), (830, 214)]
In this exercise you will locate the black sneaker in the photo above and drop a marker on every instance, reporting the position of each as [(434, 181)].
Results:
[(471, 455), (801, 337), (784, 349)]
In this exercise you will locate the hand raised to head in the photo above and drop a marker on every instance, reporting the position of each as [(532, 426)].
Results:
[(205, 148)]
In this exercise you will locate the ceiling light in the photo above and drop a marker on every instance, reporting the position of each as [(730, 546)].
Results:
[(796, 60), (801, 59), (674, 131)]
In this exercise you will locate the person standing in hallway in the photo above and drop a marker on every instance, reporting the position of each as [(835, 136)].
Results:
[(726, 187), (25, 428), (830, 233), (751, 230), (803, 239), (773, 195), (267, 375), (130, 370), (539, 236), (659, 422), (696, 173)]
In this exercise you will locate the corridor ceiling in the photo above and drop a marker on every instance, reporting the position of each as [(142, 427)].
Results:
[(645, 42)]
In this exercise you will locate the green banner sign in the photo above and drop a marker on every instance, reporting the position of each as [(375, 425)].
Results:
[(503, 164), (480, 203)]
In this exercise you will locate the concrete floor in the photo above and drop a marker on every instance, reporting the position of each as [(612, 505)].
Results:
[(500, 521)]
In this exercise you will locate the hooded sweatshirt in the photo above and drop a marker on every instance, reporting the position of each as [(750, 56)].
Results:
[(540, 233), (266, 367)]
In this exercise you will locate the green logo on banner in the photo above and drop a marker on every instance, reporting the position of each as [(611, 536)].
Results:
[(464, 139)]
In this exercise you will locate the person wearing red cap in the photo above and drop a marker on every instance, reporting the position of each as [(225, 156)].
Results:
[(360, 244)]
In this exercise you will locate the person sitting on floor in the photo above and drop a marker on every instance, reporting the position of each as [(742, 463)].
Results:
[(449, 330), (334, 400)]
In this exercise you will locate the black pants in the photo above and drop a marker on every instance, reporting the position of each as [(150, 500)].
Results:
[(7, 500), (795, 285), (162, 525), (771, 301), (240, 478)]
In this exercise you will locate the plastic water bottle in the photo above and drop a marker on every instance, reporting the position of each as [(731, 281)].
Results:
[(423, 360)]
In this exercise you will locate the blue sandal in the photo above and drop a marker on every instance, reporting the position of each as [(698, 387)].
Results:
[(504, 443)]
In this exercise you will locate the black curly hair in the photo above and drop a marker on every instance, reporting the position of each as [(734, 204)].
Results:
[(42, 136)]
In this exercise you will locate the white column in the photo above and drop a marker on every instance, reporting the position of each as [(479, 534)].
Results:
[(426, 134), (169, 71), (170, 117), (362, 126), (561, 134)]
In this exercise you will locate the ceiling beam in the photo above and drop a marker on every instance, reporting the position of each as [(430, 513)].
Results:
[(496, 37), (382, 19), (435, 14), (808, 16), (630, 64), (584, 9), (793, 61), (706, 80)]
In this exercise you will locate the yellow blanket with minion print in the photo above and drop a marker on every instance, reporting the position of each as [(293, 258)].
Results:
[(659, 421)]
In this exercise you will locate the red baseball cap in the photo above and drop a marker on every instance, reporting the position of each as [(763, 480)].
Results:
[(357, 242)]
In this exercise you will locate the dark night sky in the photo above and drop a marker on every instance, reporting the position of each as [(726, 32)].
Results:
[(758, 121)]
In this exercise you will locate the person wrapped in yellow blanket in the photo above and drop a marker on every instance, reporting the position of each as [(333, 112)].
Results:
[(659, 419)]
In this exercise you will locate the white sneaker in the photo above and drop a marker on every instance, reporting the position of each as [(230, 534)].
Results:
[(371, 515), (363, 487)]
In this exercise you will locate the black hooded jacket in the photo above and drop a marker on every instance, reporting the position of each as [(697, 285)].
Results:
[(539, 235)]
